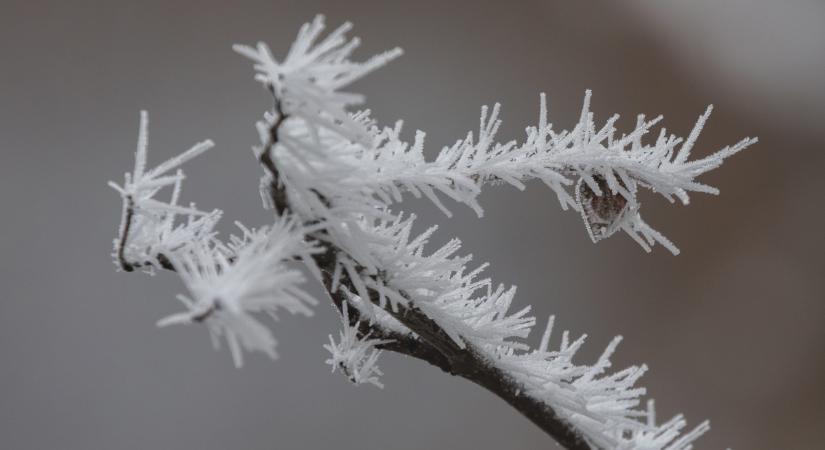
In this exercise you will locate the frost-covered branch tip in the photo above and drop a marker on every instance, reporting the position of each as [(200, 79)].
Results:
[(330, 157), (334, 179), (308, 80), (148, 228)]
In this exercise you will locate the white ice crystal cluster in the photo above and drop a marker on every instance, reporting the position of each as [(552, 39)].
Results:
[(356, 356), (342, 177), (250, 275), (229, 282), (148, 227)]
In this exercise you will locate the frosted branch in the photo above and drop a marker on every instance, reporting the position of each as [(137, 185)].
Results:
[(149, 230), (333, 178)]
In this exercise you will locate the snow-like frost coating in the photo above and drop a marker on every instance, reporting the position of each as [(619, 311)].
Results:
[(344, 176)]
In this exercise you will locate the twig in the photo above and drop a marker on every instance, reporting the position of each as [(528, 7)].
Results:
[(128, 215)]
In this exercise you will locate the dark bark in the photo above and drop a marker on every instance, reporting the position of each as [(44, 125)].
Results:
[(430, 342), (124, 236), (437, 348), (427, 340)]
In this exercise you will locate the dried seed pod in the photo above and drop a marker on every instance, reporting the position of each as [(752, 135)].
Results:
[(602, 214)]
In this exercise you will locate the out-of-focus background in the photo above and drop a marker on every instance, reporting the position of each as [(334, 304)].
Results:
[(732, 329)]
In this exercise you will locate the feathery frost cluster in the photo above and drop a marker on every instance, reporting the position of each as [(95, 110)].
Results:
[(343, 176), (355, 355)]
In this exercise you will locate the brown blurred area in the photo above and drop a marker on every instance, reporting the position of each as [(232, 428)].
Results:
[(732, 329)]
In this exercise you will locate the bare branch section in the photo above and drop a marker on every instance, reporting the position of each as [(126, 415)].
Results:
[(332, 178)]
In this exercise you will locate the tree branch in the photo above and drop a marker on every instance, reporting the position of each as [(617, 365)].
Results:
[(426, 341), (469, 363), (432, 343), (405, 344), (278, 195)]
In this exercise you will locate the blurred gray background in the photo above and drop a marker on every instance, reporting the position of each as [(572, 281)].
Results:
[(732, 329)]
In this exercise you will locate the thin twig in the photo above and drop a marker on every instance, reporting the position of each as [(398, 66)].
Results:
[(128, 215)]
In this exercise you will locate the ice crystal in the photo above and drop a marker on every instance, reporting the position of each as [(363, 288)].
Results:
[(149, 228), (356, 356)]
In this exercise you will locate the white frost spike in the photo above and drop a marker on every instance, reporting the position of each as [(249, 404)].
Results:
[(308, 79), (229, 287), (142, 184), (356, 357), (149, 227)]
